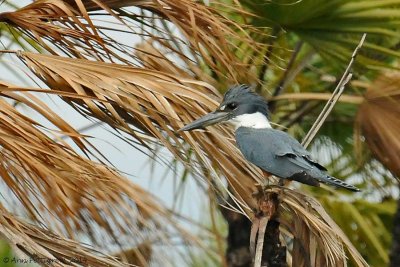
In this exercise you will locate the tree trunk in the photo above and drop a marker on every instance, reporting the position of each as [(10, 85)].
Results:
[(274, 254), (395, 251), (238, 252)]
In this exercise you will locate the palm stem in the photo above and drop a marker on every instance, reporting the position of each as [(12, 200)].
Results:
[(282, 83), (267, 56)]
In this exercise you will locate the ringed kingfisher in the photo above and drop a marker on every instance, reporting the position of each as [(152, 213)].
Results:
[(274, 151)]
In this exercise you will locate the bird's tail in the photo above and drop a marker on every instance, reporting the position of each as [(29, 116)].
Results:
[(336, 182)]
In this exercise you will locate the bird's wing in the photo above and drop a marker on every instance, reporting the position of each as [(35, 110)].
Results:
[(278, 153), (301, 151)]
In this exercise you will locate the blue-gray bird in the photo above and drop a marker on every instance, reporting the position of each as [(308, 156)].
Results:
[(274, 151)]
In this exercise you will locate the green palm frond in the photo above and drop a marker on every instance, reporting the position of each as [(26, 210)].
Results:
[(367, 224), (333, 28)]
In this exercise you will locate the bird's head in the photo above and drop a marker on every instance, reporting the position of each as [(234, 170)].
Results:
[(240, 106)]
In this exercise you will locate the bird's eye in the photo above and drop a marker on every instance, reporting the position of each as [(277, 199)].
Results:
[(231, 105)]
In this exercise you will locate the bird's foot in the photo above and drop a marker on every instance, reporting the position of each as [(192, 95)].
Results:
[(261, 189), (282, 186)]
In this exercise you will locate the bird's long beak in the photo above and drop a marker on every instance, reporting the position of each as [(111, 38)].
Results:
[(206, 120)]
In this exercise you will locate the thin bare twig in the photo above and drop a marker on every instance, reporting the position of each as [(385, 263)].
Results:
[(334, 98), (260, 241)]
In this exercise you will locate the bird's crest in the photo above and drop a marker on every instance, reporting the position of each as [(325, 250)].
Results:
[(243, 93)]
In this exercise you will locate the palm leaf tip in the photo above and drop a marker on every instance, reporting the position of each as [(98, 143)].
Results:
[(63, 185), (35, 244), (68, 25)]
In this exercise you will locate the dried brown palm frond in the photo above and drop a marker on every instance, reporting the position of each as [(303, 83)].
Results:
[(161, 103), (91, 5), (41, 246), (146, 104), (68, 193), (69, 26), (140, 255), (154, 59), (378, 120), (55, 23)]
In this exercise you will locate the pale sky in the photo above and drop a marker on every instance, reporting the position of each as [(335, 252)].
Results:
[(158, 180)]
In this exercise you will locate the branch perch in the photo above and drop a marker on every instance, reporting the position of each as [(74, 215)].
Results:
[(269, 202), (266, 228), (334, 98)]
